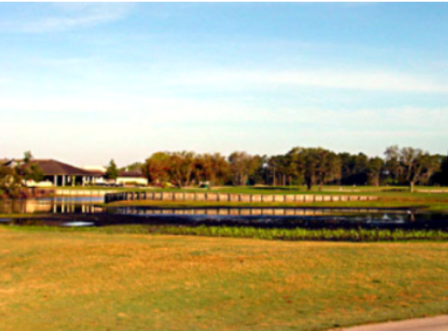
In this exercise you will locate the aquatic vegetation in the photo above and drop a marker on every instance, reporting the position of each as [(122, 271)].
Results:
[(353, 235)]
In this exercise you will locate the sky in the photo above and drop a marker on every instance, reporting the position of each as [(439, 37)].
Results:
[(87, 82)]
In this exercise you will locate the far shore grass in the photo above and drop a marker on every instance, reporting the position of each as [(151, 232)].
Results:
[(93, 281), (260, 189)]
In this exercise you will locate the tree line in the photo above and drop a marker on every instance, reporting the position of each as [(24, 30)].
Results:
[(312, 167), (11, 178)]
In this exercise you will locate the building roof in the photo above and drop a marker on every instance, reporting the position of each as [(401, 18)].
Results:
[(53, 167)]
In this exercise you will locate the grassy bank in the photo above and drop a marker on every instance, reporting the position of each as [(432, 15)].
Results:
[(297, 234), (293, 234), (78, 280), (346, 190)]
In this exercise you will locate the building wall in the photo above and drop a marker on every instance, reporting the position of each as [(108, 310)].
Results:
[(132, 180)]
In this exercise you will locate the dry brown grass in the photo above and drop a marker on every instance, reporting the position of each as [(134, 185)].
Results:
[(93, 281)]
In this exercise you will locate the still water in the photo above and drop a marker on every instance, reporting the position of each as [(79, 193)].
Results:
[(70, 211), (58, 205)]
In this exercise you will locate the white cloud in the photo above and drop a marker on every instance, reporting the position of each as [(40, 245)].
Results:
[(349, 80), (128, 108), (191, 111), (66, 16)]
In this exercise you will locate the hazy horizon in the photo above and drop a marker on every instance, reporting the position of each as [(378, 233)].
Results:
[(87, 82)]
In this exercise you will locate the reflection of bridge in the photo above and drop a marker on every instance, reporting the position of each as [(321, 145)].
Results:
[(33, 206), (241, 211)]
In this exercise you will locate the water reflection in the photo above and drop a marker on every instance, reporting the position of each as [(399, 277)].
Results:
[(267, 211), (82, 211), (57, 205)]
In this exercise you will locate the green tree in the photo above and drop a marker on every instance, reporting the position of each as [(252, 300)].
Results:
[(444, 171), (213, 168), (392, 165), (156, 168), (10, 181), (35, 173), (375, 169), (242, 165), (318, 165), (112, 170), (180, 167), (414, 165)]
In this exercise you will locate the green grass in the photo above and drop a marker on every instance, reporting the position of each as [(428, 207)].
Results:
[(293, 234), (79, 280), (353, 235), (345, 190)]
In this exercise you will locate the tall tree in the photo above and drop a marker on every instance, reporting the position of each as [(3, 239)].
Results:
[(318, 165), (393, 167), (375, 169), (112, 170), (444, 171), (213, 168), (242, 165), (180, 167), (10, 181), (13, 177), (156, 168), (413, 164)]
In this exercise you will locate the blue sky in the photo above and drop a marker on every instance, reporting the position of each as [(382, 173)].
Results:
[(89, 82)]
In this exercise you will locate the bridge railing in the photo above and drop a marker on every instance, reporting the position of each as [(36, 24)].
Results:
[(231, 197)]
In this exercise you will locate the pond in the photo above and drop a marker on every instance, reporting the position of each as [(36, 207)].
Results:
[(54, 205), (69, 211)]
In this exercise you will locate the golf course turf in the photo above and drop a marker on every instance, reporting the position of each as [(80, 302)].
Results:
[(87, 280)]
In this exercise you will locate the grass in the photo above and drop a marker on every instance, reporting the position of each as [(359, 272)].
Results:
[(353, 235), (80, 280), (328, 189), (285, 234)]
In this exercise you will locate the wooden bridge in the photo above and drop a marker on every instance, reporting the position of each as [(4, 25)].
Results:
[(231, 197)]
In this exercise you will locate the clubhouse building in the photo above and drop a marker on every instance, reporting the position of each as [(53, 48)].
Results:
[(58, 173)]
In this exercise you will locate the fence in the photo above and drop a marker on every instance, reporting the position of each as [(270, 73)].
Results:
[(81, 193), (231, 197)]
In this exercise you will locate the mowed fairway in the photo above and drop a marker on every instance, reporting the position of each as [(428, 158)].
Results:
[(96, 281)]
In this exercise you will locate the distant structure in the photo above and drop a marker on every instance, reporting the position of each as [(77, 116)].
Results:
[(125, 178), (96, 168), (131, 178), (60, 174), (57, 173)]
